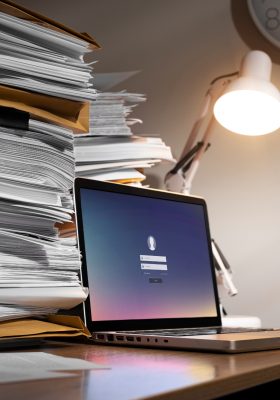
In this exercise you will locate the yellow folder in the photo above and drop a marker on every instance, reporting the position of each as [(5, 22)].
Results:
[(68, 113), (55, 326)]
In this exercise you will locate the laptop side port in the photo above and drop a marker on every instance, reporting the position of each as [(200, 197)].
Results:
[(119, 337), (110, 338), (138, 339), (100, 336), (130, 338)]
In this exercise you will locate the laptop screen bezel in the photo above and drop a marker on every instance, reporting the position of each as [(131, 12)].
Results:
[(136, 324)]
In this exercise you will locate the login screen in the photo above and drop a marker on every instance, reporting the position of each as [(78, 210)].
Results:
[(146, 258)]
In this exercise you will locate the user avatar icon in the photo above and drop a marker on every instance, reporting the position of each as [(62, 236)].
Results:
[(151, 243)]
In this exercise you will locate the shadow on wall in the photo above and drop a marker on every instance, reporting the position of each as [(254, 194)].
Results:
[(153, 180), (249, 32)]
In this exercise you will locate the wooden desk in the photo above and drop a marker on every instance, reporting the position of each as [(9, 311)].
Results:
[(151, 374)]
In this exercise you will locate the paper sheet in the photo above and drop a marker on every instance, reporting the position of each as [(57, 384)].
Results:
[(62, 297), (23, 366), (43, 361), (106, 81), (9, 375)]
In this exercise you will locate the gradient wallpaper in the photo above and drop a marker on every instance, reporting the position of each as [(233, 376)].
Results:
[(116, 231)]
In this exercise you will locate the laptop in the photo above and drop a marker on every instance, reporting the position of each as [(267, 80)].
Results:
[(147, 261)]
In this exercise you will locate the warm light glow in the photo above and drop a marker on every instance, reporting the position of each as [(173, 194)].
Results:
[(248, 112), (250, 104)]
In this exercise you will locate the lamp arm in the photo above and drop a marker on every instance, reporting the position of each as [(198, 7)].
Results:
[(180, 177), (190, 173), (175, 178), (197, 125), (223, 270)]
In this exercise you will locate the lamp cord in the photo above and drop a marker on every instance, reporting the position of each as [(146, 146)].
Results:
[(224, 76)]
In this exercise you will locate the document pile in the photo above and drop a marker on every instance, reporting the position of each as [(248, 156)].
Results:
[(39, 270), (110, 151), (110, 113), (43, 60)]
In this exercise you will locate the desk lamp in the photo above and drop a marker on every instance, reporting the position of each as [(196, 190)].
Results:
[(244, 102)]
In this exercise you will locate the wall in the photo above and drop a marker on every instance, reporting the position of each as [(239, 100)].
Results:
[(180, 46)]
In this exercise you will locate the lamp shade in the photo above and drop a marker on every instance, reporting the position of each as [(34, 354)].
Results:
[(250, 104)]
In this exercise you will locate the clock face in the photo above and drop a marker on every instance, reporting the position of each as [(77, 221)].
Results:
[(266, 16)]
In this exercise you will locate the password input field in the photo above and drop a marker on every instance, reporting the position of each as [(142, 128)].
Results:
[(158, 267)]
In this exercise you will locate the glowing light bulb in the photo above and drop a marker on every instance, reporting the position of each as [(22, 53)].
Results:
[(250, 105)]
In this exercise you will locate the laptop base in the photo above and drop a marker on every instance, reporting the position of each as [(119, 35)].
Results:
[(235, 342)]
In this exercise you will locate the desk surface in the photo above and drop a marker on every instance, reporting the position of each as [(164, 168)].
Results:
[(132, 373)]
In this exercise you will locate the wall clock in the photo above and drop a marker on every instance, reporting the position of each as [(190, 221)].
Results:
[(266, 16)]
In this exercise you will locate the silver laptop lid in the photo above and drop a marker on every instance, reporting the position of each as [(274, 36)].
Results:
[(146, 258)]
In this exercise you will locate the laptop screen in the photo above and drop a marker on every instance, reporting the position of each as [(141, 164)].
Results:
[(146, 254)]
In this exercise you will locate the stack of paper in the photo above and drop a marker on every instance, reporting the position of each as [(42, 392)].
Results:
[(43, 60), (110, 151), (39, 270), (110, 113)]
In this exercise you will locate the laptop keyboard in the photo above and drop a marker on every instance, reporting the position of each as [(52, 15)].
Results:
[(194, 331)]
